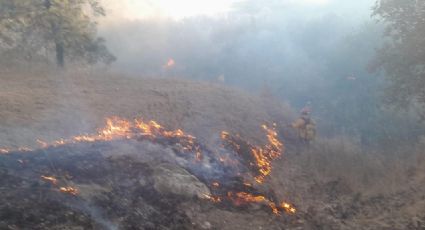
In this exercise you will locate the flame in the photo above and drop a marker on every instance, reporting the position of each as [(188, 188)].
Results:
[(226, 136), (265, 155), (240, 198), (247, 184), (69, 190), (170, 63), (214, 199), (50, 179), (262, 156), (42, 144), (215, 184), (4, 150), (288, 208), (244, 197), (119, 128), (65, 189)]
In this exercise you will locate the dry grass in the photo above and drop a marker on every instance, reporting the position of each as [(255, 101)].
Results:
[(49, 105), (366, 171)]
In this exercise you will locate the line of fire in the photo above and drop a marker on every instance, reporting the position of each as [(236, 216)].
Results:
[(245, 166)]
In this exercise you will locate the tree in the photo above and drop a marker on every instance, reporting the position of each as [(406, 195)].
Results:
[(66, 28), (402, 57)]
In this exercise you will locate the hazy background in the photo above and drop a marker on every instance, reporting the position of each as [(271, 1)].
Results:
[(313, 51)]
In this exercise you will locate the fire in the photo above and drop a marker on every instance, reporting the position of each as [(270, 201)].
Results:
[(247, 184), (226, 136), (119, 128), (50, 179), (42, 143), (4, 151), (69, 190), (64, 189), (265, 155), (288, 208), (170, 63), (261, 157), (214, 199), (115, 128), (241, 198)]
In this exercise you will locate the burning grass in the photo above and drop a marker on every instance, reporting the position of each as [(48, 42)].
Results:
[(253, 163)]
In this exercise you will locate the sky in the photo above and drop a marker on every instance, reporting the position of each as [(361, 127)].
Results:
[(141, 9)]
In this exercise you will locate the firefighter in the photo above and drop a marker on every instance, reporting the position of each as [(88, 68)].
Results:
[(305, 126)]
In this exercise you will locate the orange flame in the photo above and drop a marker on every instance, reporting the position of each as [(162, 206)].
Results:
[(244, 197), (69, 190), (118, 128), (50, 179), (214, 199), (263, 155), (288, 208)]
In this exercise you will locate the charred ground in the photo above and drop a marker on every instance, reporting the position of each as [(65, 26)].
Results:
[(123, 184)]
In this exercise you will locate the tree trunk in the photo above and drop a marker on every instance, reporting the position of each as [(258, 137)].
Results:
[(60, 54)]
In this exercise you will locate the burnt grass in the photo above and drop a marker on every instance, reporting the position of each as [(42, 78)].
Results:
[(116, 191), (28, 202), (121, 194)]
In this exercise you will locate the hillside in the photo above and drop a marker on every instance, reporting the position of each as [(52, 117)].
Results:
[(147, 183), (49, 106)]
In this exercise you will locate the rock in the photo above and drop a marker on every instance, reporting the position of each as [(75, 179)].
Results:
[(206, 225), (172, 179)]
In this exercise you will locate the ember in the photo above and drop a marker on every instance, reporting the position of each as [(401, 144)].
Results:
[(69, 190), (288, 208), (241, 198), (212, 198), (50, 179)]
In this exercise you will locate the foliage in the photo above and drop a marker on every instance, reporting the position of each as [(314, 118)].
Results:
[(64, 27), (402, 57)]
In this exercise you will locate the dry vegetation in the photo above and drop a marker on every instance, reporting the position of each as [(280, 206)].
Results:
[(350, 185), (48, 106)]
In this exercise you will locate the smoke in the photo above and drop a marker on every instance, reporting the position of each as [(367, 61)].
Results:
[(300, 50), (95, 214), (256, 42)]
